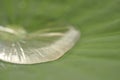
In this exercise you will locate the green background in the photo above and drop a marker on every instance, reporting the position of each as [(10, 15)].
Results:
[(96, 56)]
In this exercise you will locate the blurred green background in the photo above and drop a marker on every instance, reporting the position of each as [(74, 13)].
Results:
[(95, 57)]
